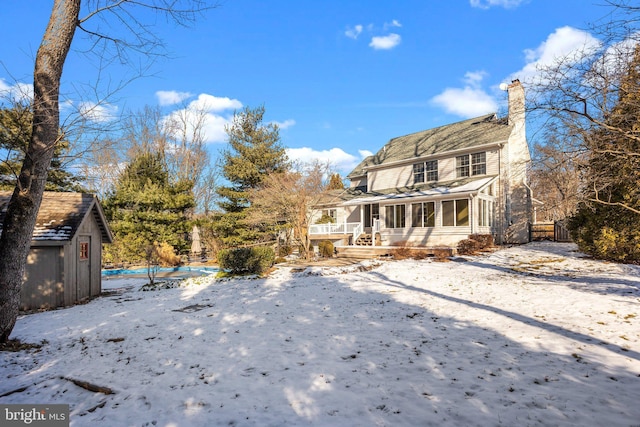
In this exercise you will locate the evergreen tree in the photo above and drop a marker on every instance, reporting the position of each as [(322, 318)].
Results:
[(146, 210), (607, 224), (254, 151), (335, 182), (15, 134)]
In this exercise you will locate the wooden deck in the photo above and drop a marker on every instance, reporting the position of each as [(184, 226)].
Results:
[(365, 252)]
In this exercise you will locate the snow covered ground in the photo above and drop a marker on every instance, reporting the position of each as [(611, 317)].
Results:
[(526, 336)]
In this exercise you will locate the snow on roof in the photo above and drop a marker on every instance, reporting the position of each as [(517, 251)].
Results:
[(60, 215), (469, 187)]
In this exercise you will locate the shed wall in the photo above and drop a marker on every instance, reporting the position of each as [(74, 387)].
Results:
[(43, 285)]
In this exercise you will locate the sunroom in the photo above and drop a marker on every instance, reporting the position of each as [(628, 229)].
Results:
[(430, 217)]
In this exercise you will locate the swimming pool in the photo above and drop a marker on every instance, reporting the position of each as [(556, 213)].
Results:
[(186, 270)]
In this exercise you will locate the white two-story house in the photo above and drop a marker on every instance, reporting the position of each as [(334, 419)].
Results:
[(436, 187)]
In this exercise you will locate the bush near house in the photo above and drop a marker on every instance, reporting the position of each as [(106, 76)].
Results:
[(468, 247), (406, 251), (475, 243), (325, 248), (485, 240), (255, 260)]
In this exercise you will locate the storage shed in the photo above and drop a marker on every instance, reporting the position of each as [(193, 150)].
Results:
[(65, 260)]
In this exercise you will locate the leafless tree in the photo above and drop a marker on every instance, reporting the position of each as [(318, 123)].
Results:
[(577, 99), (288, 199), (120, 17)]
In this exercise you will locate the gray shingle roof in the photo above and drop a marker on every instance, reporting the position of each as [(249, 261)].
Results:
[(61, 214), (432, 188), (465, 134)]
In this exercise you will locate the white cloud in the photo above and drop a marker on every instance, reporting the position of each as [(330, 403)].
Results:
[(286, 124), (469, 101), (214, 128), (562, 44), (365, 153), (206, 114), (354, 32), (206, 102), (98, 112), (385, 42), (474, 78), (4, 88), (20, 92), (466, 102), (394, 23), (337, 158), (486, 4), (171, 97)]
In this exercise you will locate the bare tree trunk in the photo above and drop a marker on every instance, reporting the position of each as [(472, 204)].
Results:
[(23, 208)]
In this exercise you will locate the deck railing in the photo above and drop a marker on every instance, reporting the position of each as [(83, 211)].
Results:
[(335, 228)]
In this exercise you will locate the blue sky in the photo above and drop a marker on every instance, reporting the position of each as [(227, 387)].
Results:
[(341, 77)]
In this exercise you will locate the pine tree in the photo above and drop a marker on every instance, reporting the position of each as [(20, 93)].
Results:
[(607, 224), (254, 151), (15, 133), (335, 182), (146, 209)]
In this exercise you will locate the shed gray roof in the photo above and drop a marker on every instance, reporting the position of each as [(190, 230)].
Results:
[(61, 214), (465, 134)]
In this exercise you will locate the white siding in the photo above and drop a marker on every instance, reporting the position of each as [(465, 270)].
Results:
[(399, 176), (392, 177), (358, 182), (447, 169)]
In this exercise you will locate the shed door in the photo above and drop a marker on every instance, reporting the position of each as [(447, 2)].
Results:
[(83, 285)]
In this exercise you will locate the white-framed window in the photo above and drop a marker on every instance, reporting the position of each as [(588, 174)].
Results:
[(423, 214), (462, 166), (479, 164), (371, 214), (332, 213), (425, 171), (455, 213), (485, 213), (394, 216), (431, 168), (418, 173), (471, 164)]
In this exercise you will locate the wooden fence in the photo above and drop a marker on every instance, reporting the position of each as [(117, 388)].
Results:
[(554, 231)]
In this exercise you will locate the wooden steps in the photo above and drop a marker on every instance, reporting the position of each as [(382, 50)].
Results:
[(366, 239)]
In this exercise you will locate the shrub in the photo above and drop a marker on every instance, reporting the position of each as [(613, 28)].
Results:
[(616, 245), (484, 240), (254, 260), (468, 247), (325, 248), (402, 253), (607, 232), (325, 219), (166, 255), (285, 250), (442, 254)]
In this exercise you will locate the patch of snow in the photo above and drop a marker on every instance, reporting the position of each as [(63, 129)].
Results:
[(530, 335)]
